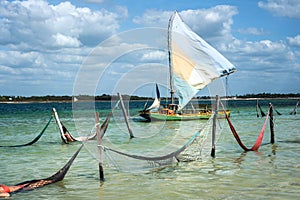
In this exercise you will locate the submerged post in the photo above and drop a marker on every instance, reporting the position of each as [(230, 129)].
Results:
[(271, 123), (214, 127), (98, 135), (125, 116)]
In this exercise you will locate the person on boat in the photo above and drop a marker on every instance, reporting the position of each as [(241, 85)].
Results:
[(170, 112)]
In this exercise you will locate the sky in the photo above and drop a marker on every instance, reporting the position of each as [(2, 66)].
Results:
[(106, 46)]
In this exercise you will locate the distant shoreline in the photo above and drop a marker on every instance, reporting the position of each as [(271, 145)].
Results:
[(106, 97), (208, 99)]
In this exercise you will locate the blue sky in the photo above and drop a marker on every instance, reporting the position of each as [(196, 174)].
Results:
[(45, 46)]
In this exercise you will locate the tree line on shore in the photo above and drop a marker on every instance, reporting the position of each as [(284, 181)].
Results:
[(106, 97)]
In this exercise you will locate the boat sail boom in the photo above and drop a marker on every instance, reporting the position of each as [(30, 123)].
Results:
[(193, 62)]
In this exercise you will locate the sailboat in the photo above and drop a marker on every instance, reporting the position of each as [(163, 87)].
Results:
[(193, 64)]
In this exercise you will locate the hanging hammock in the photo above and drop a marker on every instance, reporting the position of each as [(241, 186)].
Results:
[(164, 159), (37, 183), (258, 140), (67, 137), (58, 176), (160, 160), (35, 139)]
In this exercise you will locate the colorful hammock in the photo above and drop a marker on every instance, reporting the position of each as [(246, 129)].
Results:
[(259, 139)]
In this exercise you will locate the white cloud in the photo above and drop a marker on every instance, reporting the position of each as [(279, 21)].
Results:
[(154, 56), (286, 8), (44, 44), (264, 66), (6, 69), (153, 18), (252, 31), (263, 56), (122, 11), (209, 23), (257, 49), (212, 22), (294, 41), (66, 41), (38, 25), (41, 41)]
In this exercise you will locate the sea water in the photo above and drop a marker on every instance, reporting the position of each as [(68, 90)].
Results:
[(272, 172)]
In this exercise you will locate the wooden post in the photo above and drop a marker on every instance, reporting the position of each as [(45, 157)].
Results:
[(257, 115), (271, 123), (62, 134), (214, 127), (295, 108), (99, 141), (125, 116)]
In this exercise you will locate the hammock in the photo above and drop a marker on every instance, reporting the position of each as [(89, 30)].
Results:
[(160, 160), (65, 135), (58, 176), (68, 137), (35, 139), (278, 113), (258, 140), (104, 125)]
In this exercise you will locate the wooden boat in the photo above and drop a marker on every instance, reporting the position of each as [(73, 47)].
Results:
[(193, 64), (169, 114)]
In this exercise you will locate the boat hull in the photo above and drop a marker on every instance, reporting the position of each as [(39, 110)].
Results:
[(155, 116)]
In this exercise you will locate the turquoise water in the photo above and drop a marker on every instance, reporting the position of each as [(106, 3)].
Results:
[(273, 172)]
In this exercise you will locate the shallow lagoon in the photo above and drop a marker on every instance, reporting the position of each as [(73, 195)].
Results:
[(273, 172)]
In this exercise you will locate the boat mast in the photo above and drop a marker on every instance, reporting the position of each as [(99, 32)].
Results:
[(226, 90), (170, 59)]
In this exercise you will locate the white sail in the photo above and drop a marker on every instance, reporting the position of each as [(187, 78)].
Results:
[(155, 105), (193, 62)]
